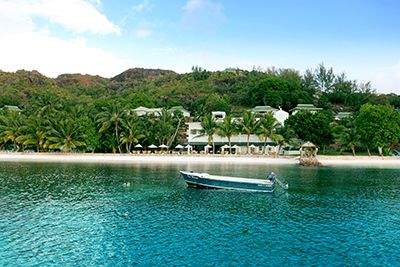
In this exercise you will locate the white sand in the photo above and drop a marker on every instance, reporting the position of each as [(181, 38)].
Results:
[(135, 158), (363, 161)]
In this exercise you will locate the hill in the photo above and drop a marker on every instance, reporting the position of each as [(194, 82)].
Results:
[(199, 91)]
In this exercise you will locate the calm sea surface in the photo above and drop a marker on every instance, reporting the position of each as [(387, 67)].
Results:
[(124, 215)]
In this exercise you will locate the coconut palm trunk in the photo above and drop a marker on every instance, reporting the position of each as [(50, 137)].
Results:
[(265, 145), (248, 144), (117, 138)]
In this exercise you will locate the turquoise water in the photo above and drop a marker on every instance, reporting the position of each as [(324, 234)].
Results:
[(124, 215)]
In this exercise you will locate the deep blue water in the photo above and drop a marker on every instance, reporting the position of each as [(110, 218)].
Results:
[(124, 215)]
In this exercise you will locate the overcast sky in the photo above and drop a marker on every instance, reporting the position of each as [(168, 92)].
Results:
[(106, 37)]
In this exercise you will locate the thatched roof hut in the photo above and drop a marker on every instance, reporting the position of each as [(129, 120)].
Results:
[(308, 153), (308, 150)]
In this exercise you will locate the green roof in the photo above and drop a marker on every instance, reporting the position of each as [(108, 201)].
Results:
[(12, 108), (262, 109), (305, 107)]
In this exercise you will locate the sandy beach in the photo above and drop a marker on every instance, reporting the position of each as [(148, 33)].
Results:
[(174, 158), (141, 158)]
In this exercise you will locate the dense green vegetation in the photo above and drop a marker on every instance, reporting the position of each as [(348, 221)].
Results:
[(89, 113)]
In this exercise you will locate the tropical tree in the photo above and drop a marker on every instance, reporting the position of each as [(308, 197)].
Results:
[(351, 139), (227, 128), (378, 126), (279, 139), (248, 126), (10, 127), (209, 128), (47, 103), (34, 133), (112, 116), (92, 136), (65, 135), (267, 126), (148, 127), (130, 133), (165, 127), (179, 125), (346, 135), (312, 127)]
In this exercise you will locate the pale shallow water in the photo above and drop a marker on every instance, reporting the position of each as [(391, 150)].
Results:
[(138, 214)]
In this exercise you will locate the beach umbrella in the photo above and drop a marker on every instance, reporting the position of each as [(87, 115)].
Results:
[(163, 146), (152, 146), (252, 146), (179, 146), (207, 147), (237, 148), (189, 148), (138, 146), (225, 146)]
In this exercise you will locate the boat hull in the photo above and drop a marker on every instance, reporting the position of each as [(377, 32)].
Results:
[(242, 184)]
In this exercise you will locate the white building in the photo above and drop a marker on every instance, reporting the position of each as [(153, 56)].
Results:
[(196, 138), (305, 107), (279, 114), (185, 112), (141, 111)]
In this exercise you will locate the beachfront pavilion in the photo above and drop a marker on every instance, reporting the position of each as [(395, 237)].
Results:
[(199, 142)]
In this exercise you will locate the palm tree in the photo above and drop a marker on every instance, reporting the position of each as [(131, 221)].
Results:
[(279, 139), (10, 127), (227, 128), (350, 139), (65, 135), (209, 127), (112, 116), (130, 132), (147, 127), (267, 125), (248, 126), (34, 133), (47, 103), (178, 118), (165, 126)]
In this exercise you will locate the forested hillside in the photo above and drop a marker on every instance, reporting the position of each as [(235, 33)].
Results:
[(199, 91), (92, 113)]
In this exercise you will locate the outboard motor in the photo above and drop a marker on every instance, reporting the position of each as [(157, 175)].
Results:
[(271, 176)]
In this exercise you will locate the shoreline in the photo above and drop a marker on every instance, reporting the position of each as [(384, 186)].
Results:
[(193, 158), (141, 158)]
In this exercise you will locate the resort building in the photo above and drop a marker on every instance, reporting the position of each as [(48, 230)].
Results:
[(185, 112), (12, 108), (343, 115), (304, 107), (141, 111), (199, 141), (279, 114), (218, 116)]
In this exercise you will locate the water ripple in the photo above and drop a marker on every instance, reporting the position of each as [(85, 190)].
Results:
[(90, 215)]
